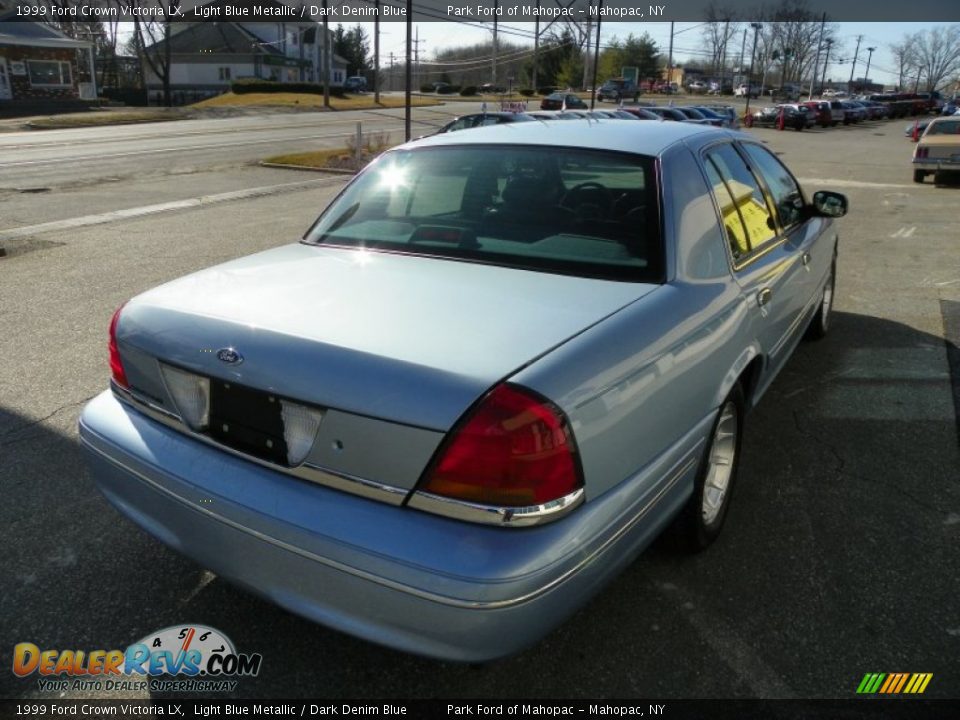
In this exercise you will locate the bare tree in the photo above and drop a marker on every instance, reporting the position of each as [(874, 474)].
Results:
[(794, 38), (152, 38), (903, 55), (720, 27), (936, 53)]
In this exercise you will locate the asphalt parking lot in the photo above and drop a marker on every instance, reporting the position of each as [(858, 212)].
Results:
[(839, 557)]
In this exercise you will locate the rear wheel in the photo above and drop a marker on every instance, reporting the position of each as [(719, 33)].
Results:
[(919, 176), (703, 517)]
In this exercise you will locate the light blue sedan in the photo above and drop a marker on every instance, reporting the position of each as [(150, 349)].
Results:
[(498, 365)]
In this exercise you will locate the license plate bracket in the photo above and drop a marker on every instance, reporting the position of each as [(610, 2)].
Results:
[(249, 421)]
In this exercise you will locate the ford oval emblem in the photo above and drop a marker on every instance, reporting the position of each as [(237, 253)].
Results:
[(230, 356)]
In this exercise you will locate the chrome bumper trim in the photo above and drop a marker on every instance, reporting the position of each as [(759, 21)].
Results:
[(499, 516)]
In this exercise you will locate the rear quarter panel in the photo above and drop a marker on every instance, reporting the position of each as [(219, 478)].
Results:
[(641, 380)]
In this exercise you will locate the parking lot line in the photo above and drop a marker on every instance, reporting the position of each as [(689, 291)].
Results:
[(114, 215)]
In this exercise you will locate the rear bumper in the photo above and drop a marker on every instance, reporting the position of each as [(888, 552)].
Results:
[(936, 164), (392, 575)]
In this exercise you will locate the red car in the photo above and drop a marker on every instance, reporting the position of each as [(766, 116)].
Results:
[(824, 114)]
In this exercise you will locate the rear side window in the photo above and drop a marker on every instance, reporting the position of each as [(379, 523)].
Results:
[(552, 209), (747, 218)]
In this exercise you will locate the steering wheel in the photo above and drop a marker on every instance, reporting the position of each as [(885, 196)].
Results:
[(603, 194)]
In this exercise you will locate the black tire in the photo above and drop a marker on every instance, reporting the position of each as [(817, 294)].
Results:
[(919, 176), (820, 324), (701, 521)]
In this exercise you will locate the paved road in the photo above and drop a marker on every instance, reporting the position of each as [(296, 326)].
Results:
[(839, 557), (56, 174)]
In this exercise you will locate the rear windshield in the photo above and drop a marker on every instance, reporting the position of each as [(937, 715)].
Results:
[(944, 127), (561, 210)]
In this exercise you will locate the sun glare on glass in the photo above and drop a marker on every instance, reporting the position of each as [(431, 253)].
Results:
[(393, 177)]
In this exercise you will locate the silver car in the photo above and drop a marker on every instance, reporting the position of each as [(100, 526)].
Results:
[(497, 366)]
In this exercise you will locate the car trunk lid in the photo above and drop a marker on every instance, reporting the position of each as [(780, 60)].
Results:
[(403, 339)]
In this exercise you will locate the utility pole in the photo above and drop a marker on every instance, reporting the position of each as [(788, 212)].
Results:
[(409, 70), (866, 77), (586, 55), (493, 69), (854, 65), (816, 60), (723, 61), (670, 58), (743, 48), (536, 47), (826, 62), (376, 54), (753, 53), (416, 56), (325, 62), (596, 56)]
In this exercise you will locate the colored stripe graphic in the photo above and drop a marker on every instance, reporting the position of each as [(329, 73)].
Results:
[(870, 683), (891, 680), (894, 683)]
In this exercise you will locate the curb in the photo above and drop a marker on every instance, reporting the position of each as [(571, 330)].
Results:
[(284, 166)]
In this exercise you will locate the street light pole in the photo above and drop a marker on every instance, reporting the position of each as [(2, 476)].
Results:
[(866, 77)]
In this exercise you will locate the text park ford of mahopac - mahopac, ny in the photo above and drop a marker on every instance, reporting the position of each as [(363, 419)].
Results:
[(497, 366)]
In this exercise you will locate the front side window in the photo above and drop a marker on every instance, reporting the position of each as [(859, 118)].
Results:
[(49, 72), (550, 209), (747, 219), (784, 190)]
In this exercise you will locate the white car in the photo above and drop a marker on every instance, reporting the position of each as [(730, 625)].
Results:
[(697, 87)]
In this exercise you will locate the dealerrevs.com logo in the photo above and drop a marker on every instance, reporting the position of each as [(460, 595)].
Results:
[(181, 658)]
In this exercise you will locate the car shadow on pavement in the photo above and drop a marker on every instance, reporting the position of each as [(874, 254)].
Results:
[(838, 558)]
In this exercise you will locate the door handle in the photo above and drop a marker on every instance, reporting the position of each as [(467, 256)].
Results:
[(763, 297), (805, 259)]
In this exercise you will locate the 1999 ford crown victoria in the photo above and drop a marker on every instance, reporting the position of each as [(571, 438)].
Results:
[(496, 367)]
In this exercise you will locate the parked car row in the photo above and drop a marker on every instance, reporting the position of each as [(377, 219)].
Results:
[(825, 113), (714, 115)]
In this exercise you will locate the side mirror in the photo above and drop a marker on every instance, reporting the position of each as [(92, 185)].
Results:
[(829, 204)]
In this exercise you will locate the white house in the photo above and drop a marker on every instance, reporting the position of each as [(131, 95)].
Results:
[(207, 55)]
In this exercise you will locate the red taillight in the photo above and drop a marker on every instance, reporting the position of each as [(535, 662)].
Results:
[(923, 152), (116, 366), (513, 450)]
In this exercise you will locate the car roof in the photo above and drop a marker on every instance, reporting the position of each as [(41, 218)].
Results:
[(615, 134), (497, 113)]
